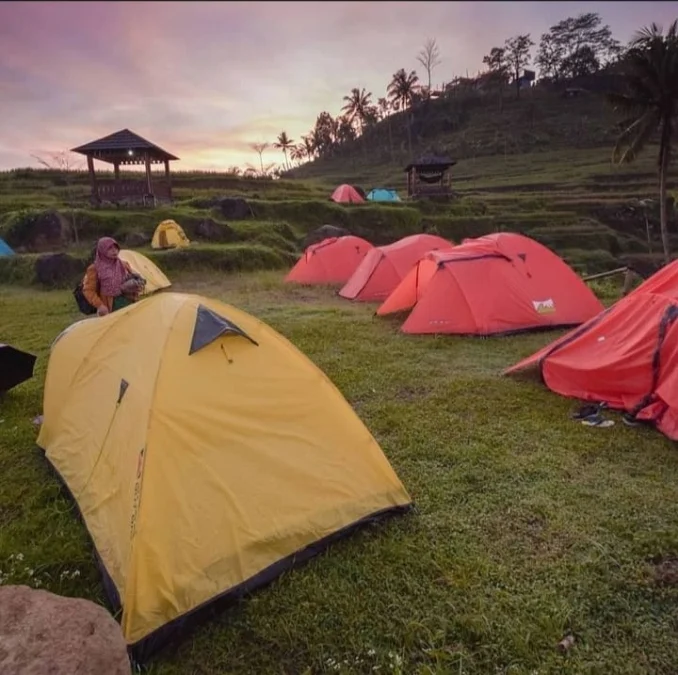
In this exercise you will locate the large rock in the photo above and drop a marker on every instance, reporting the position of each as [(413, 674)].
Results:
[(323, 232), (235, 208), (212, 231), (46, 634), (136, 239), (57, 269), (36, 232)]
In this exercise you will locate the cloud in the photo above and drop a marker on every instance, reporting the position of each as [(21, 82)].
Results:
[(206, 79)]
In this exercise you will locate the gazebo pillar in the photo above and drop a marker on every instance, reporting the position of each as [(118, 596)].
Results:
[(168, 179), (92, 177), (149, 180), (116, 173)]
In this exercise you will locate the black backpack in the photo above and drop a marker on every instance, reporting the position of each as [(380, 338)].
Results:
[(83, 304)]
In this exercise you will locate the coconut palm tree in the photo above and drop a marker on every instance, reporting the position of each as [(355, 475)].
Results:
[(298, 153), (356, 105), (309, 147), (346, 130), (284, 143), (401, 91), (402, 88), (650, 105)]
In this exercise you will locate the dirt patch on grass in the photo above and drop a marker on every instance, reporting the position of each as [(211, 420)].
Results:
[(666, 572), (412, 392)]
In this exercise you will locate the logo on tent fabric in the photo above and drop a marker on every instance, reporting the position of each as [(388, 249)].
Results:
[(544, 306), (137, 491)]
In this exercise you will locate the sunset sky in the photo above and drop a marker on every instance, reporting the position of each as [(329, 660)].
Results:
[(204, 80)]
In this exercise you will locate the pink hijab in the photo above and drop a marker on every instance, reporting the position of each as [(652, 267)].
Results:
[(111, 273)]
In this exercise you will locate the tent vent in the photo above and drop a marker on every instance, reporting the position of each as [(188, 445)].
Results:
[(123, 388), (209, 326)]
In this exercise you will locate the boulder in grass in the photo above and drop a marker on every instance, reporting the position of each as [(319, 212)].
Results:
[(58, 269), (46, 634), (323, 232), (210, 230)]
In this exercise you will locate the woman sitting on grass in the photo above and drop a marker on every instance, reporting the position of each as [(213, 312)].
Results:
[(110, 283)]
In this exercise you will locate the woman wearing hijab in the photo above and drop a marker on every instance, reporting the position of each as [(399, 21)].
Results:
[(109, 283)]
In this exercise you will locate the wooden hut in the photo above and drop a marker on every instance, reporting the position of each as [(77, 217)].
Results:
[(428, 177), (125, 148)]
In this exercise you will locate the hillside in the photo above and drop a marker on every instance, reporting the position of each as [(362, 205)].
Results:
[(543, 157), (470, 125)]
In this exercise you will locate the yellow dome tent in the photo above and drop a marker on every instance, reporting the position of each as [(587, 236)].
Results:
[(169, 234), (206, 454), (155, 277)]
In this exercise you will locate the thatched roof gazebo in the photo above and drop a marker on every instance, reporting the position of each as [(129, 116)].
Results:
[(428, 177), (125, 148)]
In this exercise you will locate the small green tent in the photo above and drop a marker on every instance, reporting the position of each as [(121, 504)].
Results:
[(383, 195)]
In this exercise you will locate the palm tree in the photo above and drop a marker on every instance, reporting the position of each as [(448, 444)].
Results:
[(346, 130), (284, 143), (309, 147), (356, 105), (298, 153), (260, 148), (402, 88), (650, 105), (401, 91)]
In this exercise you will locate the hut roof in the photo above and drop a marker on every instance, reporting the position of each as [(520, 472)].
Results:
[(122, 143), (432, 162)]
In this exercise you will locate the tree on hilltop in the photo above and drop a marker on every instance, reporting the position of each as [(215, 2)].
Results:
[(429, 57), (650, 105), (284, 143)]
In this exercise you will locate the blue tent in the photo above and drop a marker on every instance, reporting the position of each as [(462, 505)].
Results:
[(5, 249), (383, 195)]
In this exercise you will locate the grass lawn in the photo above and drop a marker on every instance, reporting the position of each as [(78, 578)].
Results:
[(528, 526)]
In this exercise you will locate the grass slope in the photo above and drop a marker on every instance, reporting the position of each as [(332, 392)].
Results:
[(528, 525)]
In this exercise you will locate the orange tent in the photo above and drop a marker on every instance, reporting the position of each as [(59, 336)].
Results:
[(346, 194), (332, 261), (383, 267), (500, 283), (626, 356)]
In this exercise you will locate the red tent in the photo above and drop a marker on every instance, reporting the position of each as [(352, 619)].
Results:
[(384, 267), (346, 194), (627, 356), (332, 261), (497, 284)]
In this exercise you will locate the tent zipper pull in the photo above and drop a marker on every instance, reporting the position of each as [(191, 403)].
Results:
[(229, 359)]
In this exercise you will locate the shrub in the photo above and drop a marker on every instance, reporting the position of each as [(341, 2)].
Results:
[(589, 261)]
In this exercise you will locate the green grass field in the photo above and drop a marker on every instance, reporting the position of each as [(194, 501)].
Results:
[(528, 526)]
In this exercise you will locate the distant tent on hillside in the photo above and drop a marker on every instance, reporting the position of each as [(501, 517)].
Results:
[(5, 249), (346, 194), (383, 195), (497, 284), (627, 356), (169, 234), (331, 261), (383, 267)]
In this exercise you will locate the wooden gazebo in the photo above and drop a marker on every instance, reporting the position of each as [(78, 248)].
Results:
[(127, 148), (428, 177)]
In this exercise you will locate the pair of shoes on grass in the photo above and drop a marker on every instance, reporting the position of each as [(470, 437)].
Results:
[(591, 416)]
